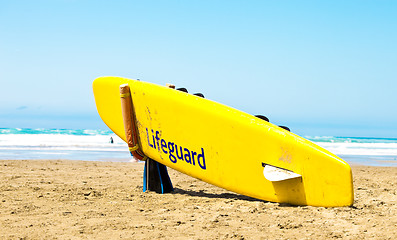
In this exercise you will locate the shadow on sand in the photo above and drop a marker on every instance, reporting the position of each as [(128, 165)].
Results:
[(202, 193)]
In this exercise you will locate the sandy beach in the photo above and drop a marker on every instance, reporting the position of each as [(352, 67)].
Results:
[(46, 199)]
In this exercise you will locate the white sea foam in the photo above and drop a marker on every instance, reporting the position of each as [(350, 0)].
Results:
[(363, 149), (95, 145), (62, 144), (58, 141)]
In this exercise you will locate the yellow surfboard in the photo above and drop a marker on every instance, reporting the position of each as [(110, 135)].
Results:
[(226, 147)]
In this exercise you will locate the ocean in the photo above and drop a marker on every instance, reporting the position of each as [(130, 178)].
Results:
[(90, 145), (95, 145)]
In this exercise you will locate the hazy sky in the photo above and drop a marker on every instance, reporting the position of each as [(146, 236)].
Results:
[(320, 67)]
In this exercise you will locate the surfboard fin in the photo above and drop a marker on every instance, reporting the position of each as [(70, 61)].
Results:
[(156, 178), (276, 174)]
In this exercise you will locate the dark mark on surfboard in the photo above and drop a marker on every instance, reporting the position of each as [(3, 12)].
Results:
[(267, 120), (264, 165), (262, 117), (286, 128), (182, 89), (199, 94)]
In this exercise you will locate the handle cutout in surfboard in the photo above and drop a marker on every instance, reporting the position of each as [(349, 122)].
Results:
[(276, 174)]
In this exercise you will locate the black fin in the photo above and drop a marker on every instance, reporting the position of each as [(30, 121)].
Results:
[(156, 178)]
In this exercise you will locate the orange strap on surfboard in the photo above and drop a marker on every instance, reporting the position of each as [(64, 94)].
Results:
[(131, 132)]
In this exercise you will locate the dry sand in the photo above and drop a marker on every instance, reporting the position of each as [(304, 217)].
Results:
[(104, 200)]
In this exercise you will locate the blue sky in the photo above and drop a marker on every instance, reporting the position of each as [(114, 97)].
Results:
[(319, 67)]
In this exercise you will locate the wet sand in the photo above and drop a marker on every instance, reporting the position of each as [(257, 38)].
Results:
[(45, 199)]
